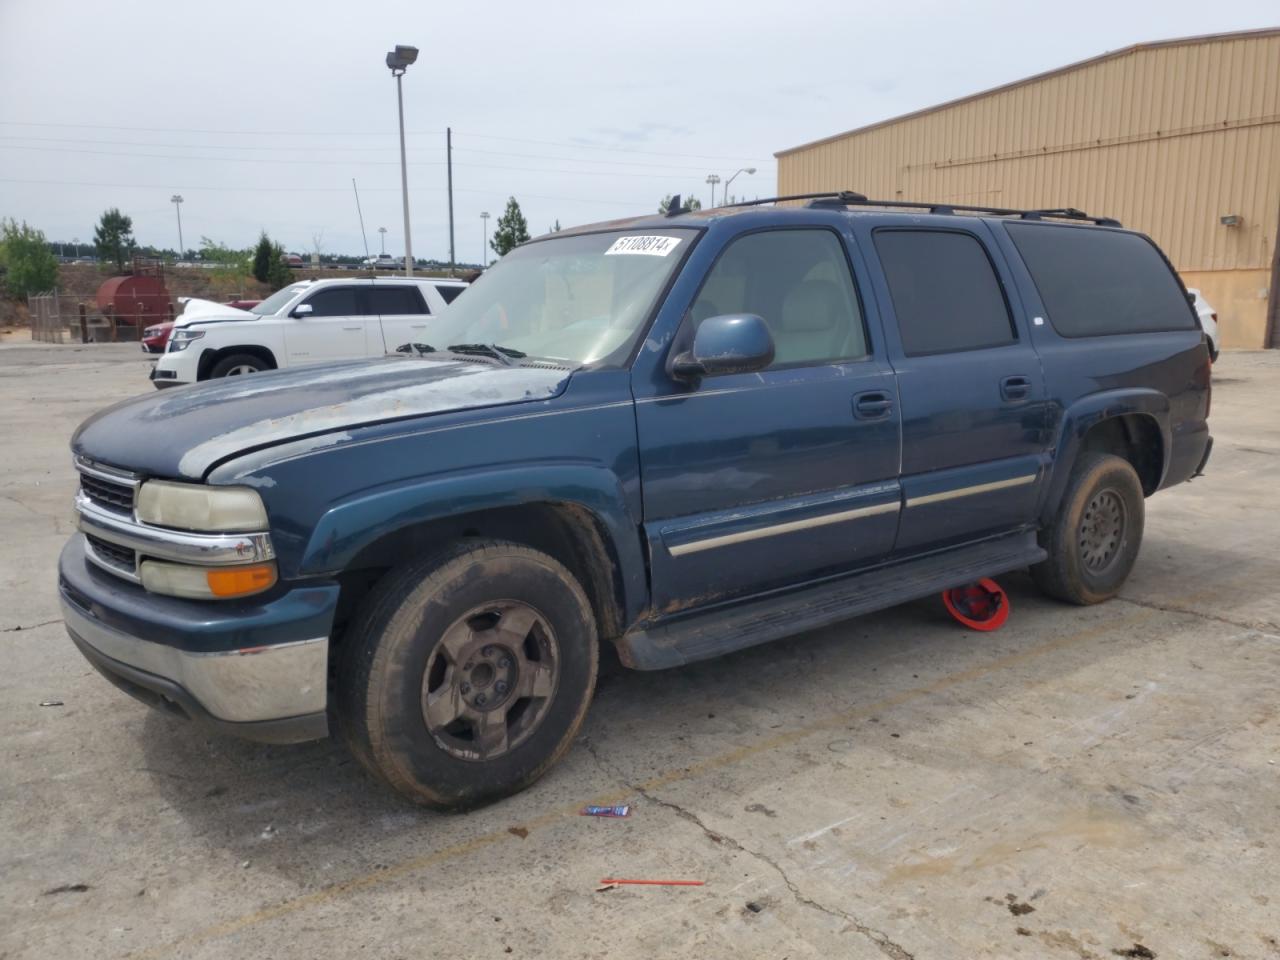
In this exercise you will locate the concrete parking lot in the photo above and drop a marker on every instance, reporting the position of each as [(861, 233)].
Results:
[(1083, 783)]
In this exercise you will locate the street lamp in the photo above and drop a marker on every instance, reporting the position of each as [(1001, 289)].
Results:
[(383, 231), (399, 60), (713, 179), (747, 170), (484, 222), (176, 200), (76, 241)]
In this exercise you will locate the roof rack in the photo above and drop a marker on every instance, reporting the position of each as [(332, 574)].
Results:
[(847, 198)]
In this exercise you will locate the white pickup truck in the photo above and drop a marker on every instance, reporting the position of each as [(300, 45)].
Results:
[(314, 321)]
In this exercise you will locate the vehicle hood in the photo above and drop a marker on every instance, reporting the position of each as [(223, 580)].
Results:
[(184, 432), (196, 309)]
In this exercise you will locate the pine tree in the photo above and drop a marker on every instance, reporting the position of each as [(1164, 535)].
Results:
[(278, 273), (512, 230), (113, 237), (262, 259)]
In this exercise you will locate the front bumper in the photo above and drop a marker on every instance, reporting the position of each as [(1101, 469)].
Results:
[(176, 369), (256, 669)]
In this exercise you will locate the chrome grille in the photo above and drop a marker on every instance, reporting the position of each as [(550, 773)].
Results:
[(110, 489), (113, 555)]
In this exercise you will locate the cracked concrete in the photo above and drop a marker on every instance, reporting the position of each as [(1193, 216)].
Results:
[(877, 789), (887, 946)]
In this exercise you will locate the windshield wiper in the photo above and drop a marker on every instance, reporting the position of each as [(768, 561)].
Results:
[(419, 348), (502, 354)]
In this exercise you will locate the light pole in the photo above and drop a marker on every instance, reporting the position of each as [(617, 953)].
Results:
[(713, 179), (383, 231), (747, 170), (399, 60), (76, 241), (176, 200), (484, 225)]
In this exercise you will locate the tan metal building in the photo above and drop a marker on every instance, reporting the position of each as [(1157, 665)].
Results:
[(1179, 139)]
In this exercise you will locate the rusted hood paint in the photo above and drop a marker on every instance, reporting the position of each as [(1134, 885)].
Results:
[(184, 432)]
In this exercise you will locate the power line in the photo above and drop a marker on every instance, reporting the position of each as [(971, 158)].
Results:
[(250, 147), (574, 145), (340, 162), (640, 206)]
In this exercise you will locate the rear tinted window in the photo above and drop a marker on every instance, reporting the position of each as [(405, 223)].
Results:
[(449, 293), (394, 301), (336, 302), (945, 292), (1095, 282)]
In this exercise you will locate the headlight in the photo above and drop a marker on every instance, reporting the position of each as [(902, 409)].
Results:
[(206, 583), (181, 339), (194, 506), (151, 332)]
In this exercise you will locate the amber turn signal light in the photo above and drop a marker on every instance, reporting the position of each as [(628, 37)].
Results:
[(241, 581)]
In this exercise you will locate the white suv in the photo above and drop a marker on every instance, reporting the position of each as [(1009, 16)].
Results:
[(314, 321)]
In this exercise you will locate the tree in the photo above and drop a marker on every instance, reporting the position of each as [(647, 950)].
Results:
[(688, 203), (512, 230), (556, 228), (262, 259), (113, 237), (29, 265), (278, 273)]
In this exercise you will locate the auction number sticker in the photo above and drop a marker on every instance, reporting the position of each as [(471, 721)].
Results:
[(649, 246)]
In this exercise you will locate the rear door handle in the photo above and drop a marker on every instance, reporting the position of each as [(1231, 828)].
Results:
[(353, 328), (872, 405), (1015, 388)]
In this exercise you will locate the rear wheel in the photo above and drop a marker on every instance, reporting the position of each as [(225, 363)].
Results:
[(466, 677), (237, 365), (1094, 539)]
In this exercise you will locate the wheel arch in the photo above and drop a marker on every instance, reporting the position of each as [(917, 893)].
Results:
[(210, 358), (575, 514), (1132, 424)]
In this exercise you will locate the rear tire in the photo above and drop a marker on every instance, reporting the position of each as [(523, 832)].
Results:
[(466, 676), (238, 364), (1095, 536)]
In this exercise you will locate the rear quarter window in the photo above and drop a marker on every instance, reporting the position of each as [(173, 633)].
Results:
[(1096, 282)]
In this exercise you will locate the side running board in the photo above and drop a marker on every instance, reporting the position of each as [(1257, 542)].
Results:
[(725, 628)]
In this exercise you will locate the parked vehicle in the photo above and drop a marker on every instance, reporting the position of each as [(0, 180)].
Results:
[(312, 321), (1208, 318), (680, 435), (155, 337)]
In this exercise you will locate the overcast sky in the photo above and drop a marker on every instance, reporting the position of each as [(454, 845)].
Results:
[(260, 113)]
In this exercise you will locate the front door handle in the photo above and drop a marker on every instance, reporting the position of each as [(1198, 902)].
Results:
[(353, 328), (872, 405), (1015, 388)]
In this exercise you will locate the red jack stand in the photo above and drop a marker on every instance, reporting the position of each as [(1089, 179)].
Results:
[(979, 606)]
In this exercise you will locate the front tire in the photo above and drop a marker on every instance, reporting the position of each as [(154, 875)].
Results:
[(1094, 538), (237, 365), (466, 676)]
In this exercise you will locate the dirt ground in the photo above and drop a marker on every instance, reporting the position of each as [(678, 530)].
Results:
[(1085, 783)]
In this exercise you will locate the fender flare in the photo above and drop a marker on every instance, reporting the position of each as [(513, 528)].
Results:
[(348, 527), (1086, 413)]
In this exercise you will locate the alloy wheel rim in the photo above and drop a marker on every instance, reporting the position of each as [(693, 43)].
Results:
[(1102, 530), (241, 369), (490, 680)]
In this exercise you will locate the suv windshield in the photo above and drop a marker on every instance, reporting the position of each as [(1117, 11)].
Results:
[(575, 300), (278, 299)]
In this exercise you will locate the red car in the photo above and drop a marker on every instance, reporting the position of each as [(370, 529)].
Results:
[(156, 336)]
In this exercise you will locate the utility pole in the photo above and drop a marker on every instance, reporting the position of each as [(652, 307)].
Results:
[(176, 200), (484, 255), (448, 146)]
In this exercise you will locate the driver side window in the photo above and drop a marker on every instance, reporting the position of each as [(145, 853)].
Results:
[(798, 282)]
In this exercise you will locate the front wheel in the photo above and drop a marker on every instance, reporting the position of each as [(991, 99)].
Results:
[(1094, 538), (237, 365), (465, 677)]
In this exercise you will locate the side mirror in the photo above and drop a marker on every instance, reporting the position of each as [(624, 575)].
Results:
[(302, 310), (732, 343)]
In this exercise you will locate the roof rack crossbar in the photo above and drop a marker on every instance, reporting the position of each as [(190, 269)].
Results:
[(848, 198)]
